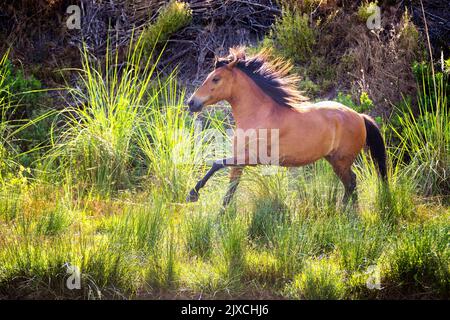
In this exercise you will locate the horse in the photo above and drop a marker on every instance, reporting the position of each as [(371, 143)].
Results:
[(263, 96)]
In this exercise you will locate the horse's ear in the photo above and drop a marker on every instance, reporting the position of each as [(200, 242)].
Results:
[(233, 63), (237, 54)]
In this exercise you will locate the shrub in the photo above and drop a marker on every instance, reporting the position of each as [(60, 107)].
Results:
[(408, 34), (172, 17), (19, 89), (292, 35), (322, 72), (366, 9), (365, 103)]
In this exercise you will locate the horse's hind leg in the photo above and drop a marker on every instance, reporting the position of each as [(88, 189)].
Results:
[(235, 175), (342, 166)]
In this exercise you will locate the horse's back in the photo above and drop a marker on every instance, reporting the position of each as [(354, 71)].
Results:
[(349, 124), (343, 127)]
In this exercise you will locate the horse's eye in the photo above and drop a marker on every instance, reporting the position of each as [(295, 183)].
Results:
[(215, 80)]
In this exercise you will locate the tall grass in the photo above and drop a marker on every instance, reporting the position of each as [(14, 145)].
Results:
[(199, 235), (167, 141), (97, 144), (419, 259), (425, 136), (5, 125), (320, 279), (121, 163)]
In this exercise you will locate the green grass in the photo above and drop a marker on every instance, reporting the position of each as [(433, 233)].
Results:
[(424, 136), (420, 258), (320, 279), (108, 198)]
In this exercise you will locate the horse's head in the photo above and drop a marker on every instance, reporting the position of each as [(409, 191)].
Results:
[(218, 85)]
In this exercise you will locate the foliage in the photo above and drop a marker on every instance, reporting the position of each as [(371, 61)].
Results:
[(425, 137), (292, 35), (173, 17), (321, 279), (365, 103), (420, 257), (366, 9), (21, 90), (109, 199), (408, 34), (96, 147), (200, 234)]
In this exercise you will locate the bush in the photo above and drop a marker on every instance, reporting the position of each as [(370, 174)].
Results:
[(365, 103), (408, 34), (304, 5), (366, 9), (19, 90), (292, 35), (173, 17)]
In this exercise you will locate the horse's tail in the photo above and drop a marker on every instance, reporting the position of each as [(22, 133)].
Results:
[(375, 142)]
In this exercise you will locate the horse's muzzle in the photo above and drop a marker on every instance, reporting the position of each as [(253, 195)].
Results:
[(194, 105)]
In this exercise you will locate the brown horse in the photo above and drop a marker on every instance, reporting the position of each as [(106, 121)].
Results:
[(263, 96)]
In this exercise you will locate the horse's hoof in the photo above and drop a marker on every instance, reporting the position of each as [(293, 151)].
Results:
[(192, 197)]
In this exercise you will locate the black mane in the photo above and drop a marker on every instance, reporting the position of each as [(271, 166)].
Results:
[(271, 77)]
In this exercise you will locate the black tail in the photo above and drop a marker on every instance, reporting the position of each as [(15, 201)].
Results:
[(376, 145)]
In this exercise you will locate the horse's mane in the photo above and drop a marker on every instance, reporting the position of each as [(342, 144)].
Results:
[(270, 74)]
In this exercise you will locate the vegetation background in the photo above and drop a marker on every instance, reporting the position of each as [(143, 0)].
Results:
[(91, 119)]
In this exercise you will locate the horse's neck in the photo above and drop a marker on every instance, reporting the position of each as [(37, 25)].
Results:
[(248, 102)]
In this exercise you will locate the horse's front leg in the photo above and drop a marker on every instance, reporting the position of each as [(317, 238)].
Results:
[(217, 165)]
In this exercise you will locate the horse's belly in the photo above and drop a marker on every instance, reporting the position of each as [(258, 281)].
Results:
[(299, 150), (300, 159)]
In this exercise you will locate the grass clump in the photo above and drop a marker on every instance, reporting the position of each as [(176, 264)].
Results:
[(366, 10), (268, 217), (166, 140), (292, 35), (53, 222), (419, 258), (172, 17), (425, 136), (320, 279), (199, 235), (96, 148), (233, 250)]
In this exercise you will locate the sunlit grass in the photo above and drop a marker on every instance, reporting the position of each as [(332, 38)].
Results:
[(108, 198)]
